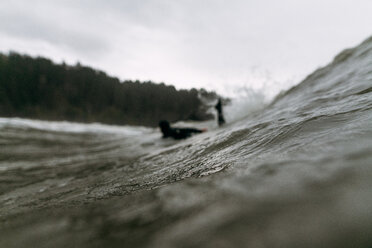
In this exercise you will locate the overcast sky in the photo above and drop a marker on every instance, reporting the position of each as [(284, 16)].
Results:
[(223, 45)]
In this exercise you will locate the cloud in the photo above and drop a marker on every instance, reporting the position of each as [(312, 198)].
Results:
[(63, 32), (206, 43)]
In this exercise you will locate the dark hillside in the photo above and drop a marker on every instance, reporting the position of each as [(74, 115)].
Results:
[(38, 88)]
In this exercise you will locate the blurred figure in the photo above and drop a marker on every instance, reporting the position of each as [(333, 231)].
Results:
[(177, 133), (221, 119)]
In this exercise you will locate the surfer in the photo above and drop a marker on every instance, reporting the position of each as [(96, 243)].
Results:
[(220, 118), (177, 133)]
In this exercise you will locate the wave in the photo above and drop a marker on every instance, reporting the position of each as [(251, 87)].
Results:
[(70, 127), (295, 172)]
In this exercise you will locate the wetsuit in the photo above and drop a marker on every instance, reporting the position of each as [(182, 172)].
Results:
[(221, 119), (176, 133)]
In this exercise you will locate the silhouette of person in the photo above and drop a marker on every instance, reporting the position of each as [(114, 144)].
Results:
[(177, 133), (220, 118)]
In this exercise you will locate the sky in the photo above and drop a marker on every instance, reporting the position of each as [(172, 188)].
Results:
[(230, 46)]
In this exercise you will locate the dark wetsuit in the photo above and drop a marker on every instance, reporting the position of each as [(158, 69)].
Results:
[(176, 133), (221, 119)]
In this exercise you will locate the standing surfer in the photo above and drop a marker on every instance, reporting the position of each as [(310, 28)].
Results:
[(221, 119)]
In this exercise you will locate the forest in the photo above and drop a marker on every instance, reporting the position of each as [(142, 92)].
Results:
[(38, 88)]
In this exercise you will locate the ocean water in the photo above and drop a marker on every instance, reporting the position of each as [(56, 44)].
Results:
[(296, 172)]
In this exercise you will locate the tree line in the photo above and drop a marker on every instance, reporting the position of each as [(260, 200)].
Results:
[(40, 89)]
